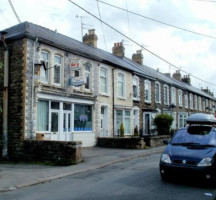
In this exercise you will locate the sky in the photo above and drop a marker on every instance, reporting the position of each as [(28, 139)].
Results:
[(192, 53)]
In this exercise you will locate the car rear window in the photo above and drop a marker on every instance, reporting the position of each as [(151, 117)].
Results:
[(202, 135)]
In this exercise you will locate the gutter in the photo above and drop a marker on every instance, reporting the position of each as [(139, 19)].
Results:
[(5, 97)]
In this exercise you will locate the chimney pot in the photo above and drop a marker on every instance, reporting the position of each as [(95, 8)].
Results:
[(90, 38), (118, 50)]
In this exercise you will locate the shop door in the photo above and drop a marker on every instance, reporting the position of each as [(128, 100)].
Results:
[(65, 134)]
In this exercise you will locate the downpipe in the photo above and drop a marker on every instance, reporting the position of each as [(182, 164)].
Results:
[(5, 99)]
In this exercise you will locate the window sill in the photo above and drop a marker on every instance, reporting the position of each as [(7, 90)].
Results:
[(121, 98), (147, 102), (104, 95), (136, 99)]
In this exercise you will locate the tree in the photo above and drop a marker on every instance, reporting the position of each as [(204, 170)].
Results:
[(163, 123)]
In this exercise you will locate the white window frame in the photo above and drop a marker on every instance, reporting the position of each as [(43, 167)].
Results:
[(180, 100), (136, 83), (47, 64), (191, 101), (195, 102), (183, 116), (106, 81), (173, 95), (186, 100), (123, 120), (158, 93), (166, 96), (122, 81), (199, 104), (60, 66), (147, 88), (89, 74)]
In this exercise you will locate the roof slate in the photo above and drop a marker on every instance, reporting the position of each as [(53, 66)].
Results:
[(27, 29)]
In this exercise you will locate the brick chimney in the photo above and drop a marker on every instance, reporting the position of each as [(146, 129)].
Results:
[(118, 49), (186, 79), (138, 57), (90, 38), (177, 75)]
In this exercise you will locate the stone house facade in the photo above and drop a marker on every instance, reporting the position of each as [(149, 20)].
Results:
[(61, 89)]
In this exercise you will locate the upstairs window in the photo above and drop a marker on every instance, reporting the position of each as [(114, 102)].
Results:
[(180, 98), (199, 104), (57, 69), (135, 88), (157, 92), (44, 73), (191, 101), (186, 100), (87, 75), (195, 102), (147, 86), (173, 96), (166, 95), (121, 85), (103, 80)]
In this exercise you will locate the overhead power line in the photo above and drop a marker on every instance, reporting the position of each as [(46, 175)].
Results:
[(101, 25), (14, 11), (139, 44), (155, 20)]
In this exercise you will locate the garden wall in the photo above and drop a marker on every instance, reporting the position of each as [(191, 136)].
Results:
[(125, 143), (56, 152)]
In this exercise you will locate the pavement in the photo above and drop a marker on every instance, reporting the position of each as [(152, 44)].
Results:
[(16, 176)]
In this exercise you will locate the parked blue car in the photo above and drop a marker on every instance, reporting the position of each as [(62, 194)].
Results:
[(192, 150)]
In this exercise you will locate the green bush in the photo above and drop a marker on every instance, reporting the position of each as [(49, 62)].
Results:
[(136, 132), (121, 130), (163, 123)]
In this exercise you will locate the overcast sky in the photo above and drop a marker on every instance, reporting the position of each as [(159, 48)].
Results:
[(195, 54)]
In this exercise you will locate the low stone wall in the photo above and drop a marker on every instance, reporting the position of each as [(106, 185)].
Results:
[(155, 140), (126, 143), (56, 152)]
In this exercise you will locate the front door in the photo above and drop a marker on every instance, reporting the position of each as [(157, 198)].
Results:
[(104, 122), (146, 124), (65, 134)]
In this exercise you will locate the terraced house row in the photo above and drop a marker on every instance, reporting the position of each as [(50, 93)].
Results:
[(62, 89)]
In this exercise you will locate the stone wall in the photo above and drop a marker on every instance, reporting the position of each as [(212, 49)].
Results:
[(1, 98), (125, 143), (155, 141), (16, 99), (56, 152)]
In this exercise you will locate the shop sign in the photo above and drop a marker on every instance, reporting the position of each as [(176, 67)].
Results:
[(75, 81), (75, 65)]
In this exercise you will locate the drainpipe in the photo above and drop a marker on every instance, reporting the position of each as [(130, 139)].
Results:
[(113, 98), (32, 105), (5, 98)]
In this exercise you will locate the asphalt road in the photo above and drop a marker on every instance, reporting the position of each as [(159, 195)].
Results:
[(135, 179)]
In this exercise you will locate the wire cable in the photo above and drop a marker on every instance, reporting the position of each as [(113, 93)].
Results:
[(11, 5), (164, 23), (101, 24), (139, 44)]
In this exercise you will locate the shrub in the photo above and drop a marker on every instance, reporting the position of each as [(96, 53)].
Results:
[(121, 130), (163, 123), (136, 132)]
